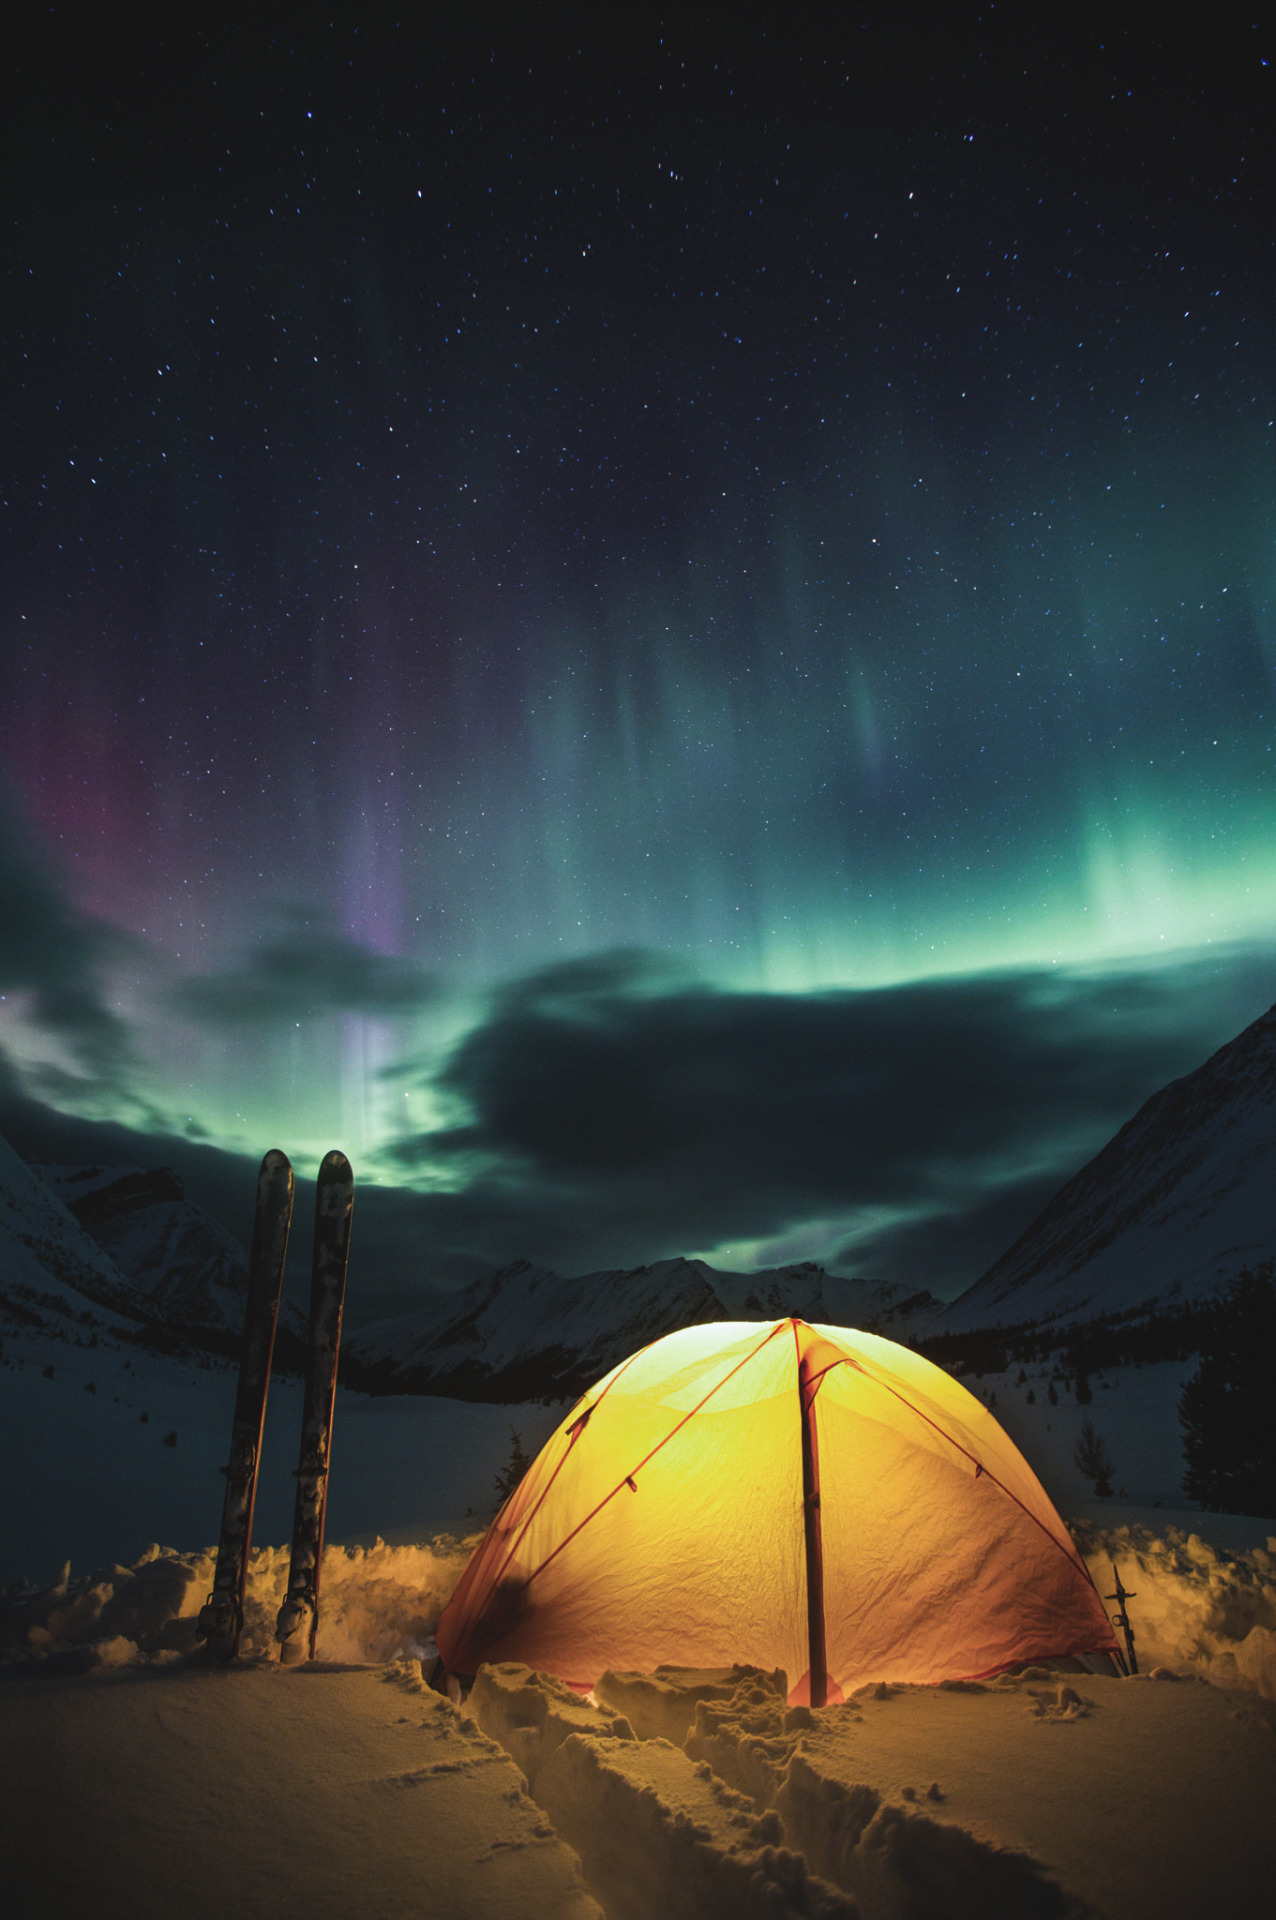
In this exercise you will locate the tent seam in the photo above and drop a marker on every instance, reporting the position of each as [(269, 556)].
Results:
[(625, 1479), (575, 1432), (1073, 1558)]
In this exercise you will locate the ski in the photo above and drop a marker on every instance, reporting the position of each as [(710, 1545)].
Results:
[(221, 1620), (298, 1622)]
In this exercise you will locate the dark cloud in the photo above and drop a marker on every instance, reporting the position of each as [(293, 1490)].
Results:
[(952, 1245), (54, 953), (837, 1098), (615, 1114), (309, 969)]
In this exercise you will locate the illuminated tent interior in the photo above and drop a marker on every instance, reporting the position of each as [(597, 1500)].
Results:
[(810, 1498)]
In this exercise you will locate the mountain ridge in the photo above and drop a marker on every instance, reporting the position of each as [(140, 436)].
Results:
[(192, 1273), (1163, 1216), (119, 1253), (1169, 1211), (527, 1333)]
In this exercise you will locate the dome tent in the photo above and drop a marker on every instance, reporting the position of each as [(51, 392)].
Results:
[(781, 1495)]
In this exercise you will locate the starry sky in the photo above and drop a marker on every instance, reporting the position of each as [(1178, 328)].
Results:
[(662, 627)]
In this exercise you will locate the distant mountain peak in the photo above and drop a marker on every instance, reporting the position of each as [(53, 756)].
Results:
[(51, 1269), (122, 1248), (1170, 1209), (527, 1334)]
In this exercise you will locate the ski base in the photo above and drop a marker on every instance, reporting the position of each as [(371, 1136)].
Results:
[(293, 1629)]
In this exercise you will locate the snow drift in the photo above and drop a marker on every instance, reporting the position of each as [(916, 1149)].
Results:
[(378, 1603), (1198, 1609), (1201, 1610)]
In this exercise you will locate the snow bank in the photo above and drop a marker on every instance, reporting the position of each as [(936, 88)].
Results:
[(376, 1603), (1195, 1608)]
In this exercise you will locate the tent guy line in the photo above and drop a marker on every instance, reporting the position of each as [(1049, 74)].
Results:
[(628, 1479), (903, 1568), (811, 1383), (981, 1471)]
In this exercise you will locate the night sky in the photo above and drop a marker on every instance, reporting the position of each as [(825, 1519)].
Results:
[(661, 627)]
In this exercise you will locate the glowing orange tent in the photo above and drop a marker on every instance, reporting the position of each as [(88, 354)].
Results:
[(790, 1496)]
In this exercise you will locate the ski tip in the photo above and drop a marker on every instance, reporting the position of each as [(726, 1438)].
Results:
[(334, 1166), (276, 1162)]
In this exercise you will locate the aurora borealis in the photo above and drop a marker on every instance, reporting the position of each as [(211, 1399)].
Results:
[(661, 627)]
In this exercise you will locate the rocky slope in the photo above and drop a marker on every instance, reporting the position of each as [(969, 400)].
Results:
[(1169, 1211), (120, 1251), (53, 1275), (190, 1269)]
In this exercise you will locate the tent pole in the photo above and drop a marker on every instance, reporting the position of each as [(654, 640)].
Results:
[(817, 1656)]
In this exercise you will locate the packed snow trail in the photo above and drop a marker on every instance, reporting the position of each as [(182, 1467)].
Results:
[(1046, 1796)]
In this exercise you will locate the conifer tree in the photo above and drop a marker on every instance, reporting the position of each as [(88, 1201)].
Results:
[(1092, 1459), (1225, 1409), (515, 1467)]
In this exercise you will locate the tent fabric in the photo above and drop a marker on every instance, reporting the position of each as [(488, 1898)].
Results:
[(663, 1524)]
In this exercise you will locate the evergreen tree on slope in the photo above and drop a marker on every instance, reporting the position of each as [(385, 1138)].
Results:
[(1226, 1408)]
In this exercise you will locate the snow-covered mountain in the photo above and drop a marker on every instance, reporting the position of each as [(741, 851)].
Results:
[(1170, 1210), (526, 1334), (53, 1276), (119, 1252), (193, 1273)]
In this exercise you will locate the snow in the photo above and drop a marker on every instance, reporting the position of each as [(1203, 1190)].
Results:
[(336, 1789), (50, 1269), (1198, 1607), (1202, 1609), (268, 1793), (656, 1834), (185, 1264), (1170, 1210), (1134, 1797), (266, 1790), (1040, 1795), (378, 1603), (349, 1787), (88, 1479), (1134, 1410)]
